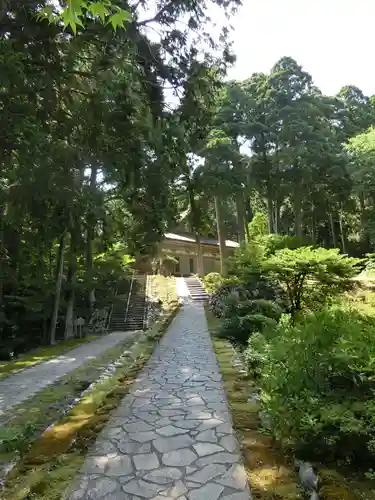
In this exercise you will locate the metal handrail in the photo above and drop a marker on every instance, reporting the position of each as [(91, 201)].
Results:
[(111, 309), (129, 296), (145, 325)]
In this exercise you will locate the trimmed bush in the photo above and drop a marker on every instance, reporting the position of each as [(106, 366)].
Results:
[(240, 328), (318, 384), (212, 282)]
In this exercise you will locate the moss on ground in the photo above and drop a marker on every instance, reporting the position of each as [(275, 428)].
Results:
[(53, 460), (163, 287), (39, 355), (270, 472)]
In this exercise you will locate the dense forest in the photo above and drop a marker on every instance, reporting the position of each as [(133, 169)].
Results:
[(91, 147), (113, 132)]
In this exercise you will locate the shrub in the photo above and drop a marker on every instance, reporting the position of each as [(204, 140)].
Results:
[(318, 382), (256, 306), (212, 281), (258, 227), (311, 276), (219, 300), (240, 328), (274, 242)]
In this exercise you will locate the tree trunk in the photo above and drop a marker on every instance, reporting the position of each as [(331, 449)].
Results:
[(277, 217), (221, 236), (298, 217), (270, 214), (249, 214), (333, 231), (313, 227), (200, 266), (342, 234), (366, 236), (59, 278), (89, 242), (363, 210), (71, 282), (240, 217)]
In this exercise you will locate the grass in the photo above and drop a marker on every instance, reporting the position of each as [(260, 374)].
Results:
[(163, 287), (52, 461), (39, 355), (270, 473)]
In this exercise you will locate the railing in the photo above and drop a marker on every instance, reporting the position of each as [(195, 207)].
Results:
[(145, 311), (111, 310), (129, 297)]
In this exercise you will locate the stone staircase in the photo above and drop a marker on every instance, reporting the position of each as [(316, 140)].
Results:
[(196, 290), (117, 319), (136, 308), (129, 313)]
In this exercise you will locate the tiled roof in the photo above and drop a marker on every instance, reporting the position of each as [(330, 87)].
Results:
[(189, 238)]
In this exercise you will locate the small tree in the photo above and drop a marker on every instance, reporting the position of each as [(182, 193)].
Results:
[(311, 275), (258, 227)]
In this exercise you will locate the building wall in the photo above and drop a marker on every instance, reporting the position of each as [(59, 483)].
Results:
[(186, 253)]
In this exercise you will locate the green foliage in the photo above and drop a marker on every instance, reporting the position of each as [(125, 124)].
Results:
[(247, 258), (311, 276), (317, 381), (240, 328), (275, 242), (212, 281), (71, 189), (80, 12), (258, 227)]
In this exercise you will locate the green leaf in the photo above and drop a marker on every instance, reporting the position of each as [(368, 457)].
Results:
[(71, 19), (47, 12), (99, 9), (119, 18)]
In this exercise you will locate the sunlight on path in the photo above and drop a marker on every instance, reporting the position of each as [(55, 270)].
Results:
[(21, 386)]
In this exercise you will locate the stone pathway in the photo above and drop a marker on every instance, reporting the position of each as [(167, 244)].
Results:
[(21, 386), (172, 436)]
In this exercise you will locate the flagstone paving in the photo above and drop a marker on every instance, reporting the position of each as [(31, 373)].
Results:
[(172, 436)]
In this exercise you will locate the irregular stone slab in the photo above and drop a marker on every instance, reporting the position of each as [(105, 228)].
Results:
[(229, 443), (188, 424), (234, 478), (172, 443), (171, 430), (210, 491), (166, 475), (142, 488), (176, 491), (138, 426), (204, 449), (131, 447), (147, 461), (207, 473), (218, 458), (119, 465), (102, 487), (143, 437), (207, 436), (179, 458)]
